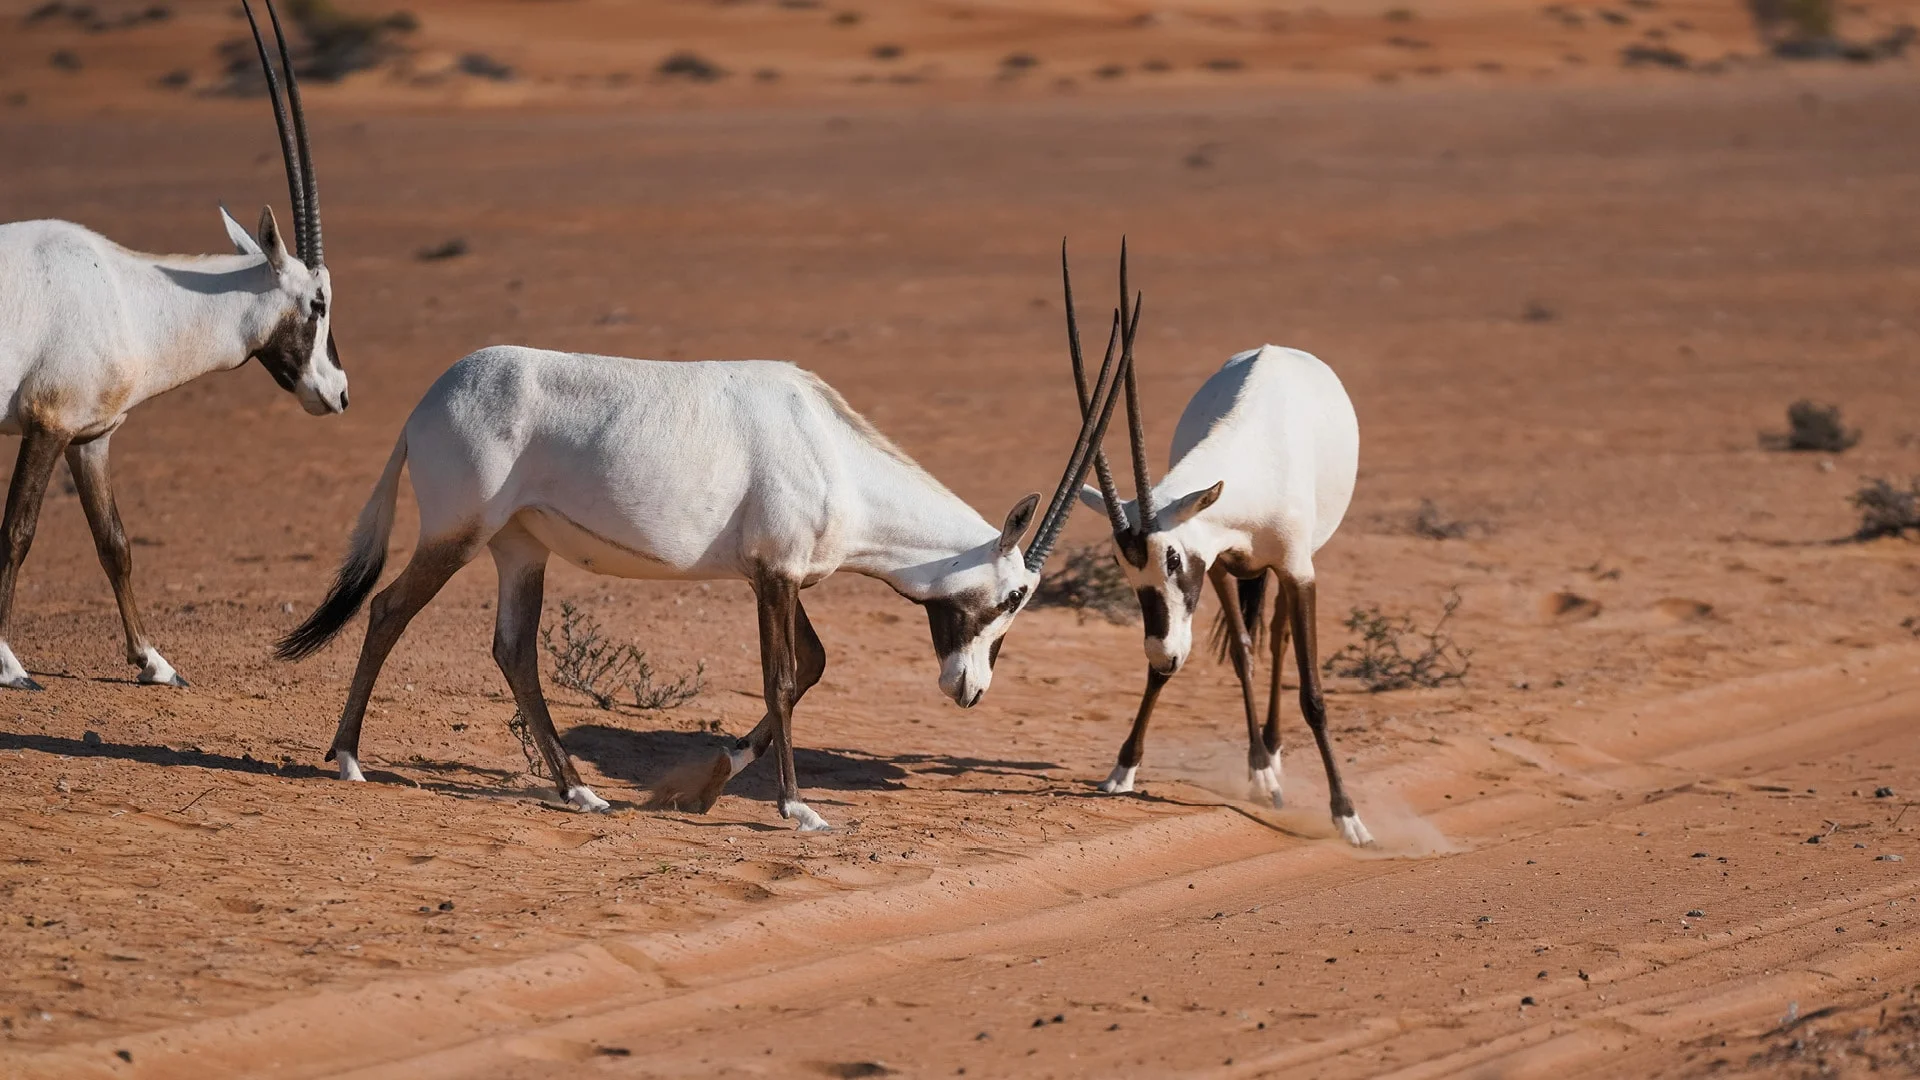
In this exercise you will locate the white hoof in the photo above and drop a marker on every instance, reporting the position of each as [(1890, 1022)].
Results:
[(583, 799), (1120, 780), (1264, 783), (1352, 831), (155, 671), (807, 820), (12, 674), (350, 767)]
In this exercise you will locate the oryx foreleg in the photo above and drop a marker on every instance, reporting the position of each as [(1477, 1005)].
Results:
[(812, 663), (40, 449), (1262, 777), (522, 563), (1281, 635), (88, 463), (779, 603), (1313, 703), (1131, 751), (434, 562)]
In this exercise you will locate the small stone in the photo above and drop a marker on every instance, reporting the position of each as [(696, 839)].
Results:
[(1526, 1000), (1883, 793), (1696, 913), (1484, 919), (1039, 1021), (1813, 839), (124, 1055), (90, 738), (62, 786), (982, 1037), (1584, 977), (1699, 854), (446, 905), (1542, 975), (1059, 1018), (1888, 858)]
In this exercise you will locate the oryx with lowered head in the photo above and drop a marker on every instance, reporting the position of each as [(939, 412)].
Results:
[(1263, 467), (89, 329), (743, 470)]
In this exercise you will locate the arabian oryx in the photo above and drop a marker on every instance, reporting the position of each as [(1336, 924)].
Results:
[(1263, 466), (89, 329), (715, 470)]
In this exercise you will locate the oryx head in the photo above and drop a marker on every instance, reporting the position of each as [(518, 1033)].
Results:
[(991, 584), (296, 346), (1165, 572)]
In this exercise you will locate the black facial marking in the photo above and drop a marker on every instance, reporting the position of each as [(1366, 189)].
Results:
[(993, 651), (1153, 612), (956, 620), (1189, 579), (287, 349), (1133, 548)]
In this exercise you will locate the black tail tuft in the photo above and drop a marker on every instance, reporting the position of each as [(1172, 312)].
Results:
[(351, 585), (1253, 599)]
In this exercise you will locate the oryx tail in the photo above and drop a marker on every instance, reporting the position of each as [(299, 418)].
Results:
[(359, 571)]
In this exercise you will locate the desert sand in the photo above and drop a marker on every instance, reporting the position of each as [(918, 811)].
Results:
[(1566, 299)]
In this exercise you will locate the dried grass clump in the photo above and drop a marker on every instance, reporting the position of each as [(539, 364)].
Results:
[(1392, 653), (1088, 580), (584, 660)]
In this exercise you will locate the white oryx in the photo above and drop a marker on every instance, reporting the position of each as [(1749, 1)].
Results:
[(1263, 466), (749, 470), (89, 329)]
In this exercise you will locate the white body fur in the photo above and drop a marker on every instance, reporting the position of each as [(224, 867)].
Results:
[(681, 471), (1262, 470), (90, 329)]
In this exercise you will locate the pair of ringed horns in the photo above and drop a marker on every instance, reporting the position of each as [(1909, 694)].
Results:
[(1125, 323), (302, 189), (1095, 412)]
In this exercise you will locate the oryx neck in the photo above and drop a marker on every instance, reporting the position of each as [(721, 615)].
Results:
[(911, 532)]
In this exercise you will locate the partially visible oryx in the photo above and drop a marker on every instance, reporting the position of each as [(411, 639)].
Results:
[(749, 470), (89, 329), (1263, 466)]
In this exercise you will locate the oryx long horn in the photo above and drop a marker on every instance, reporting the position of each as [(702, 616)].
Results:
[(1093, 428), (296, 185), (311, 253), (1142, 478), (1115, 515)]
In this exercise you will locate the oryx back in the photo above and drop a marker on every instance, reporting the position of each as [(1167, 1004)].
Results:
[(639, 468), (1278, 425)]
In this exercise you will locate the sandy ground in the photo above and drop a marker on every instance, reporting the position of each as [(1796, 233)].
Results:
[(1564, 314)]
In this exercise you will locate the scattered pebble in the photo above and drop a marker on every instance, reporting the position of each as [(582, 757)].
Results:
[(1526, 1000), (1888, 858), (1484, 919), (1883, 793), (1813, 839), (446, 905), (1696, 913), (124, 1055), (1699, 854)]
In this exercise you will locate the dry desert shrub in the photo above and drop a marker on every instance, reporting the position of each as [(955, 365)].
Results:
[(585, 660), (1392, 653), (1088, 580)]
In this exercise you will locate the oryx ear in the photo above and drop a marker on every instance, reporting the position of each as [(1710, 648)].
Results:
[(271, 243), (1017, 522), (1188, 505), (1090, 495), (237, 233)]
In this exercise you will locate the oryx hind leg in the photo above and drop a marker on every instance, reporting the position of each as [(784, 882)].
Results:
[(40, 450), (522, 563), (91, 479), (434, 562)]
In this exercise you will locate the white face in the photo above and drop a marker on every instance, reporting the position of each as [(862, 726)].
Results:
[(968, 623), (1167, 583), (1165, 571), (301, 354)]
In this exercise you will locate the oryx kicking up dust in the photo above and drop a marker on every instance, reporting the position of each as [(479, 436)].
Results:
[(746, 470)]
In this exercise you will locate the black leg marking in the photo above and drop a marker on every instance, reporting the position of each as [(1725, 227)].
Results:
[(39, 451), (1281, 636), (1313, 703), (92, 480), (779, 602), (1240, 648), (522, 564), (433, 564)]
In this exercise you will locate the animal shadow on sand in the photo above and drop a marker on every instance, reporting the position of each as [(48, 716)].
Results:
[(654, 760), (149, 754)]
